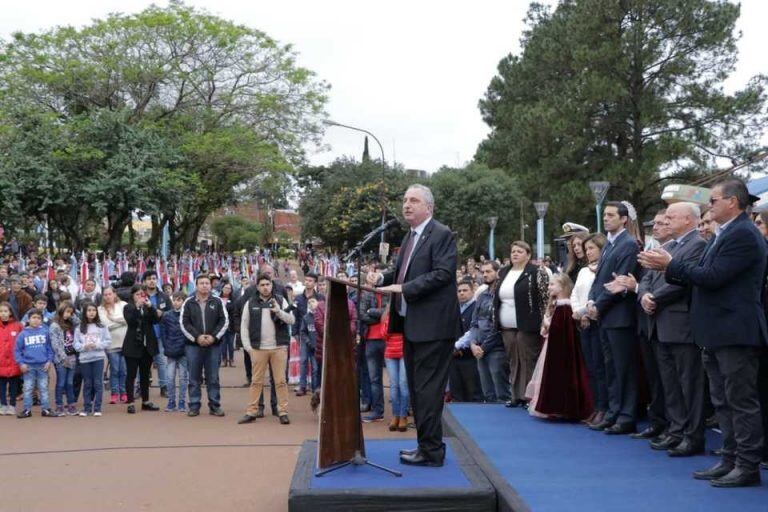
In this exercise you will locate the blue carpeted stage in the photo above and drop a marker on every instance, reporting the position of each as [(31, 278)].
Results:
[(549, 466), (458, 486)]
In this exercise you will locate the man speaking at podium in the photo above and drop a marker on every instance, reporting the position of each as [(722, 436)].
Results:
[(425, 309)]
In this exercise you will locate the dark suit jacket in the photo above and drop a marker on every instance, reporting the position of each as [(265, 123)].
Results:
[(726, 302), (619, 310), (429, 288), (672, 320), (466, 316)]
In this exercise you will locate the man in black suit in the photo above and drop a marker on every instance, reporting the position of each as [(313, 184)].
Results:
[(617, 320), (729, 323), (464, 379), (425, 309), (678, 358)]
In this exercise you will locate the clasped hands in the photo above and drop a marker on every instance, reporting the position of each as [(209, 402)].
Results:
[(205, 340)]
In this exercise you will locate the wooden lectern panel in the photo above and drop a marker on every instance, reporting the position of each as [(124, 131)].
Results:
[(341, 431)]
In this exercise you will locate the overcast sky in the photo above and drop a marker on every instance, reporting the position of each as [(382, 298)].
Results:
[(411, 72)]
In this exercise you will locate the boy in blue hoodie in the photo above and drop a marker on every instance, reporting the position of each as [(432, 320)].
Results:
[(34, 355), (173, 347)]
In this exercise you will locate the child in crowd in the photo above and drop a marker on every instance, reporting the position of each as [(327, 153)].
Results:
[(308, 337), (91, 340), (173, 346), (34, 355), (9, 369), (40, 302), (62, 333)]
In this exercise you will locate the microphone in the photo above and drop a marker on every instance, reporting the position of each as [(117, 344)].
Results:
[(389, 224)]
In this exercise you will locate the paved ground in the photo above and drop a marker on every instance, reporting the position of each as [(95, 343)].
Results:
[(157, 461)]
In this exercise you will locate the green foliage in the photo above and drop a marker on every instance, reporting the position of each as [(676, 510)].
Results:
[(234, 233), (342, 202), (167, 111), (626, 92), (466, 198)]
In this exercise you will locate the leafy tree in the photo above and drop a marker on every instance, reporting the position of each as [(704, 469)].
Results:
[(628, 92), (466, 198), (216, 105), (342, 202), (234, 232)]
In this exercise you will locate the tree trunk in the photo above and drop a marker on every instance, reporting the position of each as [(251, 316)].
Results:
[(154, 241)]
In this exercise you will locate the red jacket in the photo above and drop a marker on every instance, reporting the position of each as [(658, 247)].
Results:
[(8, 333), (393, 343)]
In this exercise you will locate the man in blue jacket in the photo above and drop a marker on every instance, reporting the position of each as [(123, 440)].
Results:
[(729, 323), (617, 318)]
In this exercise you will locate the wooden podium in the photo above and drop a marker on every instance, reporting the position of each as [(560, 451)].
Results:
[(340, 437)]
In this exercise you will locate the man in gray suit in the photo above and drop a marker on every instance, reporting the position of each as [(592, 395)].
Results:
[(679, 359)]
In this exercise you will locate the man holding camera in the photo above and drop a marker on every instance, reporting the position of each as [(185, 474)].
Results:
[(264, 331)]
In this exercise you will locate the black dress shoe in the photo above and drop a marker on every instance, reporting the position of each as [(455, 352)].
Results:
[(419, 459), (686, 448), (649, 432), (246, 419), (406, 451), (602, 425), (665, 443), (131, 409), (738, 477), (284, 420), (218, 411), (149, 406), (718, 470), (511, 403), (620, 429), (193, 412)]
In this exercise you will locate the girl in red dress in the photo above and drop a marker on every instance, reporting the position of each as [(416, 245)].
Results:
[(559, 388)]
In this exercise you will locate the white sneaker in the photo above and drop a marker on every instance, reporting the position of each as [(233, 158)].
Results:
[(97, 413), (82, 414), (3, 410)]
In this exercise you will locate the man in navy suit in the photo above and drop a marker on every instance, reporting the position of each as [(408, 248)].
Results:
[(729, 323), (425, 308), (617, 319)]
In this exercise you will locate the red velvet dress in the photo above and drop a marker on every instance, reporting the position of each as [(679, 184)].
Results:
[(564, 387)]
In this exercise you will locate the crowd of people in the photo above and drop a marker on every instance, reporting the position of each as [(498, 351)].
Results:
[(672, 328)]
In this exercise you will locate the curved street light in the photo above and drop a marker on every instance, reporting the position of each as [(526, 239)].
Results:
[(329, 122)]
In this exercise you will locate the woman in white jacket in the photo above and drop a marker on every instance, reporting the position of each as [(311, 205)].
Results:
[(111, 315), (590, 336)]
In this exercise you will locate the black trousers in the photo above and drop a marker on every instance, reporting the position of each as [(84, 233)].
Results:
[(619, 346), (464, 380), (762, 391), (682, 373), (426, 367), (732, 373), (143, 365), (656, 409)]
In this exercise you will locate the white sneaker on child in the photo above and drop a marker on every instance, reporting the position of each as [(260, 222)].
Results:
[(97, 413)]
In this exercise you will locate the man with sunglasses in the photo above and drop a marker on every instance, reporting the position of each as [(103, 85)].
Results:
[(729, 324)]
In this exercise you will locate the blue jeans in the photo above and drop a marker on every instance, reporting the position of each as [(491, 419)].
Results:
[(65, 383), (305, 355), (161, 363), (117, 372), (228, 346), (398, 386), (93, 390), (9, 386), (177, 364), (36, 376), (494, 378), (374, 355), (199, 359)]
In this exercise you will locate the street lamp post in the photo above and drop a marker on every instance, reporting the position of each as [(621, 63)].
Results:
[(599, 190), (329, 122), (491, 242), (541, 211)]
